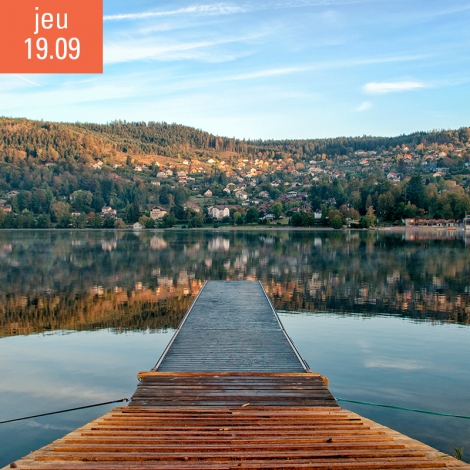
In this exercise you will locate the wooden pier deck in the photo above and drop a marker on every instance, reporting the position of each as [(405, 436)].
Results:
[(206, 405), (231, 326)]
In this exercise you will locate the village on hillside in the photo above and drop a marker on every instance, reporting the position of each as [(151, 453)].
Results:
[(423, 184)]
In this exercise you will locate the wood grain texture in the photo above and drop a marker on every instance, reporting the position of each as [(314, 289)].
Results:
[(231, 327), (232, 438), (231, 392)]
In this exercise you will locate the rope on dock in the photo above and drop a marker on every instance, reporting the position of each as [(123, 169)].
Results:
[(436, 413), (357, 402), (66, 411)]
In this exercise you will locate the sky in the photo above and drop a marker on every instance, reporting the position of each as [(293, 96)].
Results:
[(268, 69)]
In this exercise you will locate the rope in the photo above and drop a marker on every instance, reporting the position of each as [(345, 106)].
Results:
[(394, 407), (436, 413), (65, 411)]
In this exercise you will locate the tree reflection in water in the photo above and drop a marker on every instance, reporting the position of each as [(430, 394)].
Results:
[(124, 280)]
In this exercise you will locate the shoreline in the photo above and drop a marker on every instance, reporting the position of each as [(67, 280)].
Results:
[(242, 228)]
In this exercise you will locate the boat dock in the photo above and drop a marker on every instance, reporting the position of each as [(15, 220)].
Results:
[(231, 392)]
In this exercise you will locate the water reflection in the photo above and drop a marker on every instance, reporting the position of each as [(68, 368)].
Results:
[(126, 280)]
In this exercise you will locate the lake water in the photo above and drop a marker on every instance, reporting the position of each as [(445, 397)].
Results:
[(383, 315)]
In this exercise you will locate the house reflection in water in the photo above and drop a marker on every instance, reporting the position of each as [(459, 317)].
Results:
[(219, 244)]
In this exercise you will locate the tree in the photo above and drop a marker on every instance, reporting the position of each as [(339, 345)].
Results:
[(252, 216), (370, 216), (415, 191), (164, 199), (296, 220), (386, 206), (238, 218), (336, 222), (119, 223), (169, 220), (364, 222), (96, 221), (81, 201), (150, 223), (108, 222), (60, 210), (195, 221), (143, 220), (79, 221), (43, 221), (276, 209), (133, 212)]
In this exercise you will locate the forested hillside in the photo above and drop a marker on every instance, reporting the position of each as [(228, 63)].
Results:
[(51, 171)]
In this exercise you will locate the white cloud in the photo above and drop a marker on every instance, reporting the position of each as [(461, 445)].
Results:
[(216, 9), (67, 95), (230, 9), (129, 50), (327, 65), (407, 365), (364, 106), (35, 424), (376, 88)]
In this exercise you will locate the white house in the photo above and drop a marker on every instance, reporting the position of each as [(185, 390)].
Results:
[(241, 195), (219, 212)]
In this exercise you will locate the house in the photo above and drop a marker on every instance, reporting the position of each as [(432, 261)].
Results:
[(264, 194), (268, 217), (11, 194), (161, 174), (75, 214), (444, 223), (158, 212), (317, 215), (193, 206), (219, 212), (137, 226), (155, 183), (7, 208), (208, 193), (107, 211), (241, 195)]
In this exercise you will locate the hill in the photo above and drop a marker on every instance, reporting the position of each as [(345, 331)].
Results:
[(50, 170)]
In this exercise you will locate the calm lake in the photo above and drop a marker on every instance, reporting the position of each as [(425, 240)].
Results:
[(384, 315)]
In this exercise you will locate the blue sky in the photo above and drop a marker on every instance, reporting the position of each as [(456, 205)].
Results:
[(269, 68)]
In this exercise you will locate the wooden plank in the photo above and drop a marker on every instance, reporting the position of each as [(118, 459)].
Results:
[(207, 444), (230, 405), (231, 327)]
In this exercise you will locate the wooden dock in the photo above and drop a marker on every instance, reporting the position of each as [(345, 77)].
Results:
[(233, 327), (231, 392)]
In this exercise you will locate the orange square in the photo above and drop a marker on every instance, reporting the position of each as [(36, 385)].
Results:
[(51, 36)]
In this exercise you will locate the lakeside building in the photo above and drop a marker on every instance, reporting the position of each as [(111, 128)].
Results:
[(218, 212), (434, 223), (157, 212), (107, 211)]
